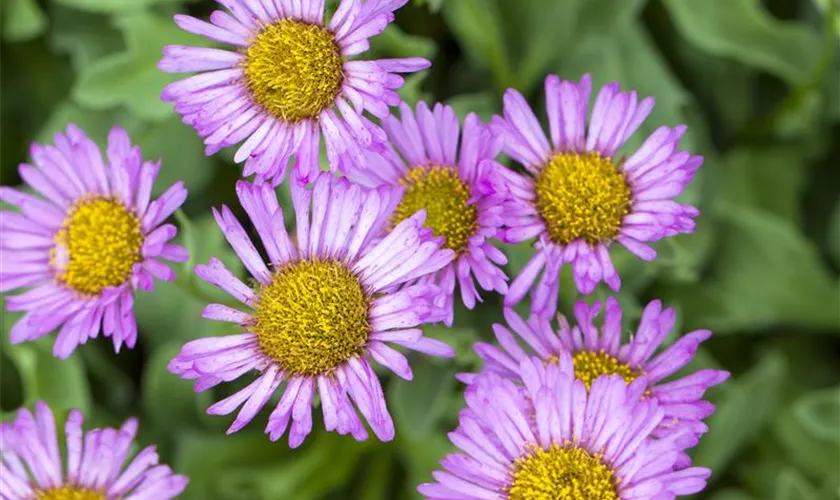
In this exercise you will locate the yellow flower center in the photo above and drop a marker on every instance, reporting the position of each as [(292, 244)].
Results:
[(591, 365), (294, 69), (562, 473), (69, 493), (312, 317), (444, 196), (102, 240), (582, 196)]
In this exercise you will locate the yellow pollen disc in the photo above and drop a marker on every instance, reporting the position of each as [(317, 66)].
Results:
[(562, 473), (591, 365), (582, 196), (294, 69), (312, 317), (69, 493), (102, 240), (444, 196)]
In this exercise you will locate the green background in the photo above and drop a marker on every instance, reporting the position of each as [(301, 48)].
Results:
[(757, 84)]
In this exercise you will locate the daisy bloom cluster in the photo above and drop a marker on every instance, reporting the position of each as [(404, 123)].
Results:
[(555, 438), (31, 467), (288, 81), (452, 174), (87, 237), (577, 196), (322, 309), (590, 352)]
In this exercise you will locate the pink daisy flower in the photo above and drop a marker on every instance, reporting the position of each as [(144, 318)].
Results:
[(554, 439), (461, 191), (577, 197), (321, 310), (88, 238), (31, 467), (588, 352), (288, 81)]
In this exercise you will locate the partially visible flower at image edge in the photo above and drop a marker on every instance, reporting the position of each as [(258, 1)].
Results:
[(89, 236), (95, 469), (322, 310), (577, 198), (589, 352), (555, 439), (460, 188), (289, 81)]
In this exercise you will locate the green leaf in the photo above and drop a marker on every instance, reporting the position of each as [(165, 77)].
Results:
[(825, 9), (484, 104), (766, 274), (834, 234), (818, 412), (112, 6), (744, 31), (22, 20), (434, 6), (96, 124), (61, 383), (181, 150), (85, 36), (683, 257), (770, 179), (377, 476), (477, 24), (746, 407), (131, 78), (602, 17), (394, 42), (248, 466), (421, 457), (800, 446), (539, 33), (731, 494), (791, 485), (313, 472), (203, 457), (167, 399), (418, 404)]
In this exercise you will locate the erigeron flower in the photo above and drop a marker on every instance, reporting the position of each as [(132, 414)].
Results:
[(87, 238), (590, 351), (577, 197), (322, 310), (452, 174), (551, 438), (32, 468), (288, 81)]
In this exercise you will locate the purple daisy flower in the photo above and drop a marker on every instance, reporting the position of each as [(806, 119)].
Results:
[(88, 238), (289, 81), (31, 467), (325, 308), (462, 192), (551, 438), (590, 352), (578, 197)]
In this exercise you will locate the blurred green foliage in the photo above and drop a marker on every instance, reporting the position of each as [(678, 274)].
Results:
[(757, 83)]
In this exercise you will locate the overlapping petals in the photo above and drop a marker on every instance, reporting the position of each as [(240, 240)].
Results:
[(334, 220), (655, 173), (431, 137), (63, 174), (30, 460), (218, 103)]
